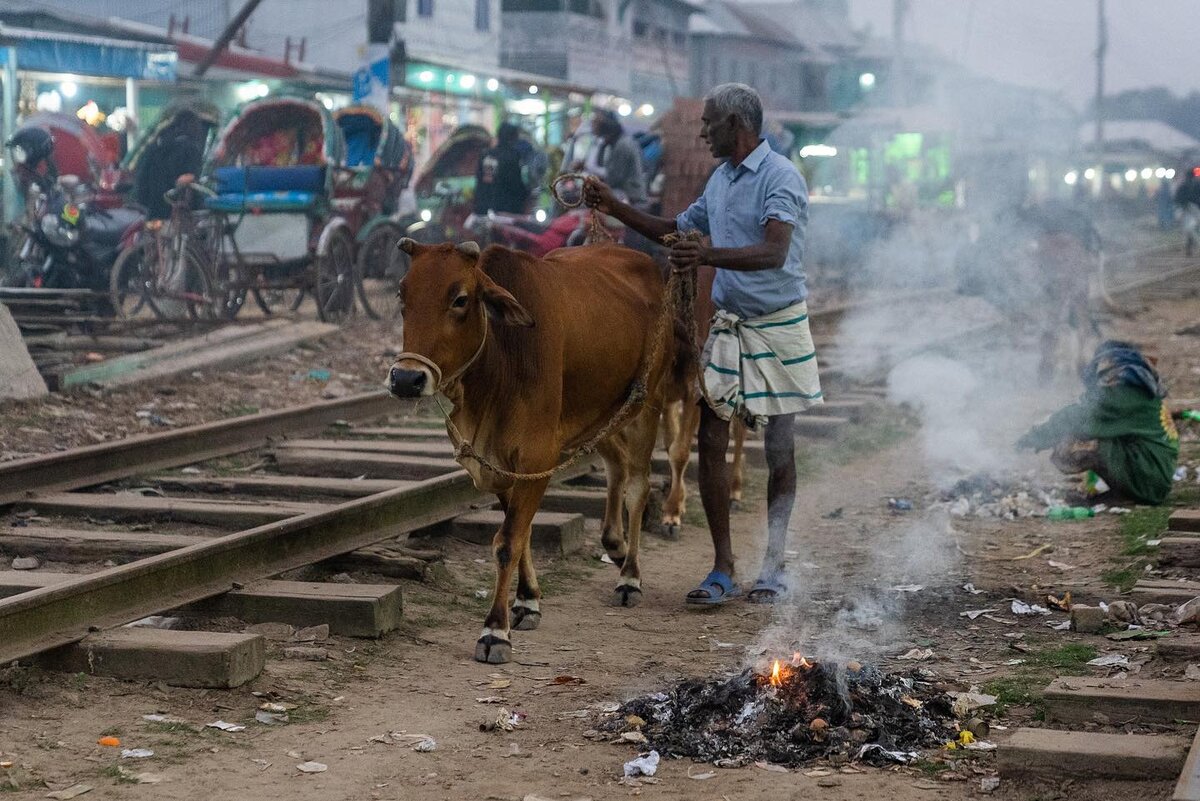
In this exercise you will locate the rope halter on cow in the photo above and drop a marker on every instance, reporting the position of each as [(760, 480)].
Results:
[(596, 230)]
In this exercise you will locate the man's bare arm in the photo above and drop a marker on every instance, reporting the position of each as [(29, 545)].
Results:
[(770, 254), (598, 196)]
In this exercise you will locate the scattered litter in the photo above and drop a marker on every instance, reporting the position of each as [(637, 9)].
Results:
[(1110, 660), (635, 737), (1192, 672), (968, 702), (971, 614), (771, 768), (110, 742), (1188, 612), (26, 563), (73, 791), (319, 374), (1181, 473), (917, 654), (499, 684), (514, 751), (1035, 552), (995, 619), (817, 773), (708, 774), (1063, 626), (567, 680), (1014, 662), (504, 721), (312, 767), (1022, 608), (606, 559), (1124, 612), (224, 726), (907, 588), (1062, 604), (162, 719), (1060, 565), (491, 699), (903, 757), (157, 622), (481, 594), (969, 587), (900, 504), (136, 753), (425, 745), (1118, 510), (270, 706), (270, 718), (989, 784), (645, 765)]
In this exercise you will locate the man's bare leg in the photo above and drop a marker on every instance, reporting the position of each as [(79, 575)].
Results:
[(713, 441), (780, 447)]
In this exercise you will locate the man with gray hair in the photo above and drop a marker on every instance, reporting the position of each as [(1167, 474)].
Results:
[(759, 363)]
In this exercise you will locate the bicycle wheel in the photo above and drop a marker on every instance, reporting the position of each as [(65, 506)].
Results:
[(132, 280), (380, 267), (334, 290)]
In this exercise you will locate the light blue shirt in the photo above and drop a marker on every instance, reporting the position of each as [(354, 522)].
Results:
[(734, 209)]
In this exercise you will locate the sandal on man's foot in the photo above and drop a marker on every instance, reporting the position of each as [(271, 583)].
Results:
[(767, 591), (716, 589)]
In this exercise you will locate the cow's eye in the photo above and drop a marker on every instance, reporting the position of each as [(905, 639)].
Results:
[(459, 302)]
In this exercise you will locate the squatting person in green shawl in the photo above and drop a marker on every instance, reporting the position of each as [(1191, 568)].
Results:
[(1120, 428)]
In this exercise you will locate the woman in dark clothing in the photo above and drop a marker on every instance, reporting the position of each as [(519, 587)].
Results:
[(498, 182)]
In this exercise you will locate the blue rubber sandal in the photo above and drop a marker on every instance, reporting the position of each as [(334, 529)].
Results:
[(766, 591), (720, 588)]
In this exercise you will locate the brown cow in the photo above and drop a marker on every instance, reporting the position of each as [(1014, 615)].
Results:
[(681, 420), (536, 356)]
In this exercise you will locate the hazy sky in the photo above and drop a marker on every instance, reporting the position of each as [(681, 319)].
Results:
[(1052, 43)]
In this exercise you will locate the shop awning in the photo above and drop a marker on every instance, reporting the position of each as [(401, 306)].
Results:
[(82, 54)]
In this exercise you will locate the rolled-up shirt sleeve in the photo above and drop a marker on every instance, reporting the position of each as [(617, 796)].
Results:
[(694, 217), (786, 198)]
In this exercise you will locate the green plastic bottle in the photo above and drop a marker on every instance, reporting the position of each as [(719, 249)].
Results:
[(1191, 414), (1069, 513)]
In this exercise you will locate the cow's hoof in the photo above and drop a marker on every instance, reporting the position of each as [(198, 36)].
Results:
[(493, 650), (626, 596), (524, 619), (671, 531)]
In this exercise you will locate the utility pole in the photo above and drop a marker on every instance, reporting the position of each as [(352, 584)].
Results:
[(226, 37), (899, 77), (1101, 52)]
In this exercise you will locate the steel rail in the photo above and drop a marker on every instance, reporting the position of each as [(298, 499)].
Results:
[(46, 618), (108, 461)]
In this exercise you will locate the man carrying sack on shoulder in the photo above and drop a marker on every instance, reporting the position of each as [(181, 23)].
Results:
[(759, 363)]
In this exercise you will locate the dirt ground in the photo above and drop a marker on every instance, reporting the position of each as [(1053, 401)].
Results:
[(422, 679)]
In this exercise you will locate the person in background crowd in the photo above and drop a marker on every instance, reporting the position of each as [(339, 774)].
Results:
[(499, 184), (755, 210), (1120, 429), (618, 159), (177, 151), (1187, 197)]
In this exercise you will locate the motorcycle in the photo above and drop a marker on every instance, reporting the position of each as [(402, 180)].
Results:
[(537, 235), (70, 240)]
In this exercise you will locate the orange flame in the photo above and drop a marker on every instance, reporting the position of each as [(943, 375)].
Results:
[(776, 674)]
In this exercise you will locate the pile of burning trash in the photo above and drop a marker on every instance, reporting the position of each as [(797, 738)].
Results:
[(792, 712), (1008, 497)]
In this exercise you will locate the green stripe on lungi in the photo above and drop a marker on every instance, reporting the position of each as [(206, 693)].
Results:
[(781, 395), (724, 370), (769, 354), (800, 359)]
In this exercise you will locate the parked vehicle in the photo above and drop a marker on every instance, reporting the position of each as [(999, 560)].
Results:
[(263, 216), (367, 186), (72, 232)]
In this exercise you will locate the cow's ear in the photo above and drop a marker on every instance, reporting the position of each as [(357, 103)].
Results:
[(501, 305)]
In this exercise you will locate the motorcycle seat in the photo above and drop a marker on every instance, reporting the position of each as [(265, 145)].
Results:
[(107, 227), (532, 226)]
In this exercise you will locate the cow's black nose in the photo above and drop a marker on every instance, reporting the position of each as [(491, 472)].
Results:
[(407, 383)]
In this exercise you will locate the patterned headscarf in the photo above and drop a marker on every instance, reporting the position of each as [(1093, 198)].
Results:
[(1118, 363)]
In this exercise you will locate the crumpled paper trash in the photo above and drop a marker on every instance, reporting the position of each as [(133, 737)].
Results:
[(646, 765)]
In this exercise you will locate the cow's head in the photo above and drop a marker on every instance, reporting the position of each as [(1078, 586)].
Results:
[(447, 301)]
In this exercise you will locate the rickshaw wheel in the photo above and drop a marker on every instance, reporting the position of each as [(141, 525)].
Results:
[(380, 268), (131, 280), (334, 290)]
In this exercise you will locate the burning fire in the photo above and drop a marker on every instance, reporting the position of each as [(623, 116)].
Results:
[(781, 671)]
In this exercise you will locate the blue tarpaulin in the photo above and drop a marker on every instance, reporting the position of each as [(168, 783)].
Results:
[(48, 52)]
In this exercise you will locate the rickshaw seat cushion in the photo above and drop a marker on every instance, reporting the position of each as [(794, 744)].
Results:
[(237, 202), (296, 178)]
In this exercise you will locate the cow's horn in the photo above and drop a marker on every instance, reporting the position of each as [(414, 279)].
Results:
[(469, 249), (406, 244)]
